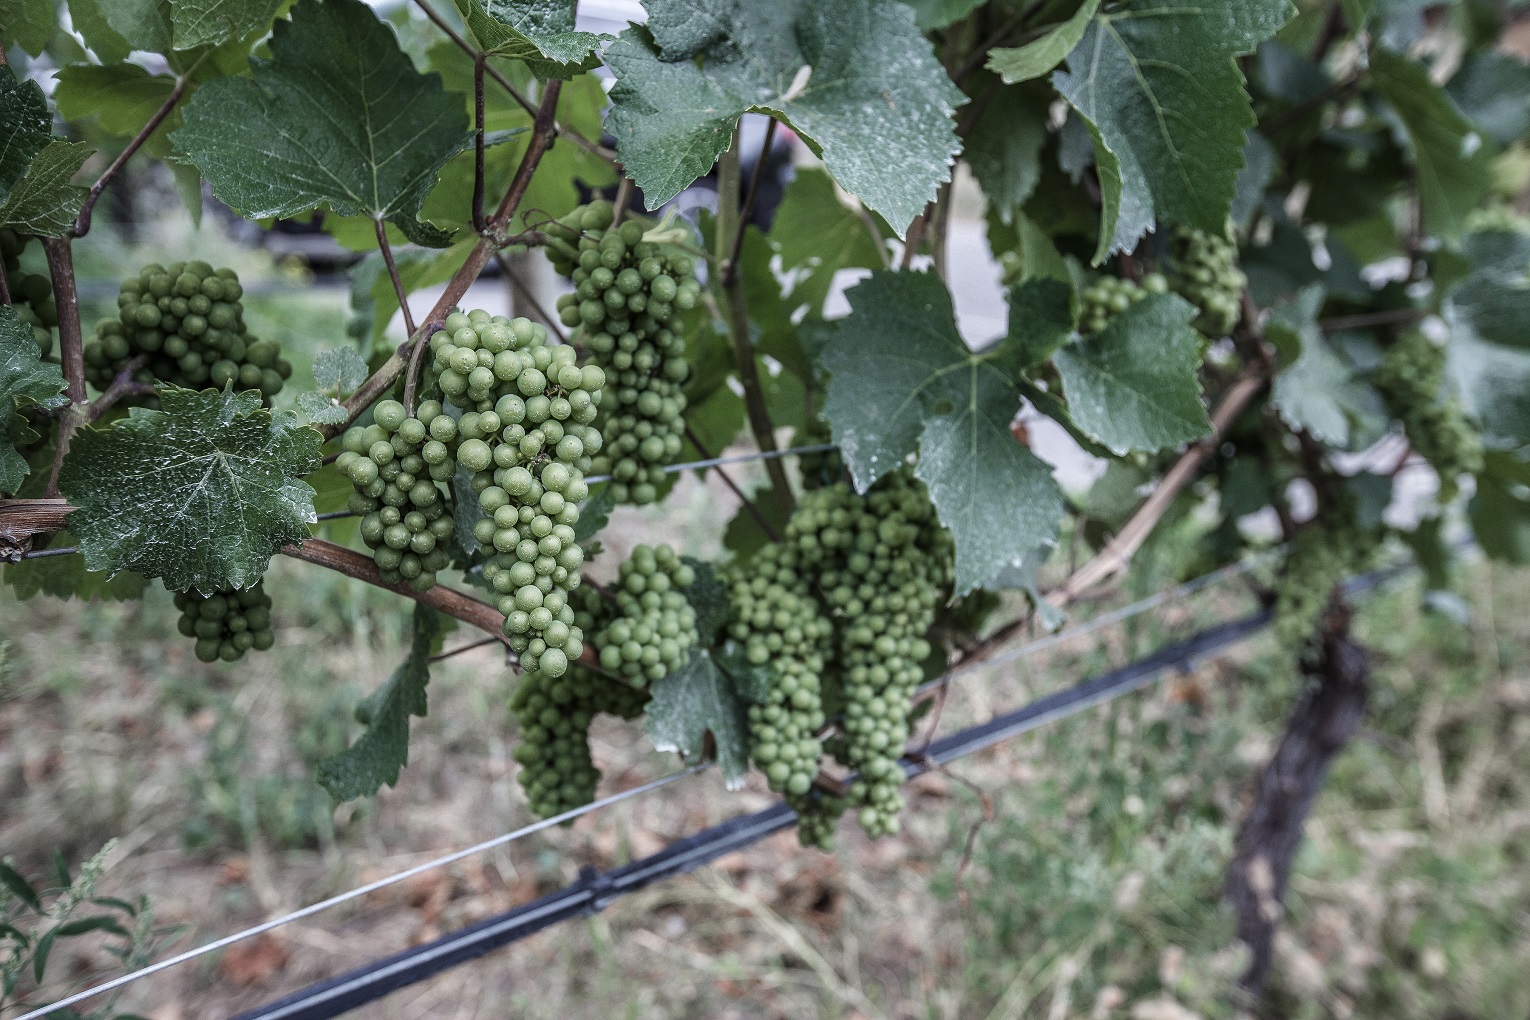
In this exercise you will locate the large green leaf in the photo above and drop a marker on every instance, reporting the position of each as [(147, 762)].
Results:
[(1133, 385), (903, 381), (210, 22), (1490, 88), (1454, 159), (933, 14), (1318, 390), (24, 379), (201, 493), (1004, 150), (377, 756), (700, 698), (539, 32), (1489, 353), (337, 116), (817, 235), (45, 201), (91, 23), (143, 24), (24, 127), (1159, 88), (853, 77), (27, 23), (1037, 57), (1500, 511)]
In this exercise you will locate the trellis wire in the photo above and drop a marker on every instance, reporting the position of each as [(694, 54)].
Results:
[(737, 458), (1020, 651)]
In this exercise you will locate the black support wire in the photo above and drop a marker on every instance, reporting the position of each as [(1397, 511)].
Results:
[(592, 892)]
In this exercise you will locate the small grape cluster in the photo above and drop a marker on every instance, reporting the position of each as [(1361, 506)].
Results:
[(886, 563), (526, 436), (1411, 379), (227, 623), (187, 321), (1206, 274), (1320, 557), (554, 716), (823, 468), (394, 465), (655, 627), (1109, 296), (31, 293), (777, 622), (628, 295)]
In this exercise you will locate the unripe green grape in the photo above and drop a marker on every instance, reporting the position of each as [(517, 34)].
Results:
[(227, 623), (1205, 272)]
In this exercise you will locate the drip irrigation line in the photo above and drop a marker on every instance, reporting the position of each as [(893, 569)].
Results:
[(594, 891), (381, 883)]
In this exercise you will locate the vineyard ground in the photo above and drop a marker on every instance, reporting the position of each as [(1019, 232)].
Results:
[(1094, 885)]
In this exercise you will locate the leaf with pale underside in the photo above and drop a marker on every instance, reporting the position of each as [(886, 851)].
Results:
[(46, 200), (700, 698), (539, 32), (201, 492)]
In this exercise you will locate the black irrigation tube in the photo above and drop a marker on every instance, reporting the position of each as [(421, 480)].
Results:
[(593, 891)]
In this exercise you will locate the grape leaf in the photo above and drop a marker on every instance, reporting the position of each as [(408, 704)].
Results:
[(201, 493), (24, 377), (1004, 150), (1040, 319), (339, 369), (25, 127), (708, 596), (1160, 91), (27, 23), (853, 77), (698, 698), (1318, 390), (143, 24), (319, 409), (1454, 160), (373, 299), (45, 202), (1133, 385), (91, 23), (1490, 88), (902, 380), (65, 577), (933, 14), (1489, 353), (539, 32), (594, 514), (1500, 510), (817, 235), (377, 756), (201, 22), (338, 115), (1037, 57)]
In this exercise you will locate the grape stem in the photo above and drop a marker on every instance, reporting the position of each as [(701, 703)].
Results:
[(730, 226), (1113, 560), (122, 386), (524, 293), (71, 344), (416, 356), (398, 284), (730, 268), (490, 241), (478, 66), (82, 222)]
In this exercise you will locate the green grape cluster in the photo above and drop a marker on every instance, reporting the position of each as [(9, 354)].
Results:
[(226, 623), (187, 321), (1206, 274), (1320, 557), (554, 716), (886, 563), (394, 465), (31, 293), (1411, 379), (629, 293), (1109, 296), (526, 436), (776, 622), (655, 627)]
